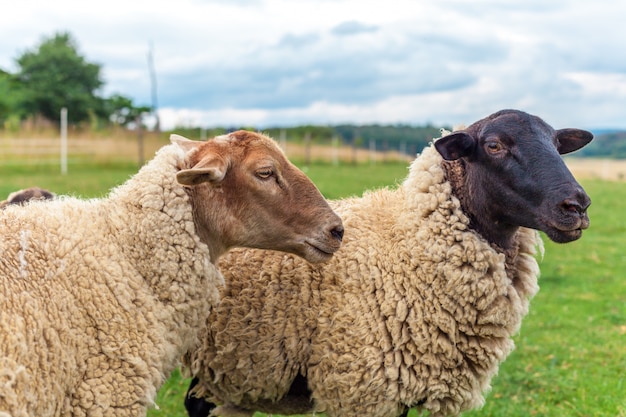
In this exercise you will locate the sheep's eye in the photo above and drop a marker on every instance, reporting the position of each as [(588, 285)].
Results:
[(264, 173), (494, 147)]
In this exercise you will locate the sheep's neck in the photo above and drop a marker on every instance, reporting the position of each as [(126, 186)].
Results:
[(498, 234), (208, 231)]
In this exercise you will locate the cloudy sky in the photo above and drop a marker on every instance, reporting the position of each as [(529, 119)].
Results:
[(284, 62)]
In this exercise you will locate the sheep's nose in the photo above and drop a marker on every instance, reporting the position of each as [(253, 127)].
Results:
[(572, 206), (577, 204), (337, 232)]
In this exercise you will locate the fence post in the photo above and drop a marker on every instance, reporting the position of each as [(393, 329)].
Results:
[(63, 141), (307, 148), (283, 140), (139, 138)]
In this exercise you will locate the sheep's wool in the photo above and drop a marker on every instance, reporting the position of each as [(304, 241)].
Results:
[(100, 297), (415, 309)]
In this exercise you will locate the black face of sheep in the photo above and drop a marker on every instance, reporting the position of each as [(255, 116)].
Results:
[(516, 177)]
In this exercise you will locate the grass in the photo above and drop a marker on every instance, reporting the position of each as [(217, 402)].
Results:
[(571, 351), (83, 180)]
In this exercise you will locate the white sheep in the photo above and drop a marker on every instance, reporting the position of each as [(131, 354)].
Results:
[(100, 298), (418, 307)]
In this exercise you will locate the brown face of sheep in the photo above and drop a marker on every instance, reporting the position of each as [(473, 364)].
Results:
[(245, 192), (515, 176)]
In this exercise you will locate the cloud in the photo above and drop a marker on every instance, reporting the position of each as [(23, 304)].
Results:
[(352, 27), (268, 61), (297, 41), (303, 69)]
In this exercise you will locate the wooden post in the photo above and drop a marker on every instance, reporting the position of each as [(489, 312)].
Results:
[(139, 138), (307, 148), (283, 140), (64, 141)]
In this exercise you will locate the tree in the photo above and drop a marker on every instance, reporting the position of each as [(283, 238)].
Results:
[(5, 89), (10, 96), (54, 75), (122, 111)]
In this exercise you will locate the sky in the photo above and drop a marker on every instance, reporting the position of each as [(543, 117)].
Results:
[(267, 63)]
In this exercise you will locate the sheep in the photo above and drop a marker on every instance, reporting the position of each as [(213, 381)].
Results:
[(100, 298), (27, 194), (418, 307)]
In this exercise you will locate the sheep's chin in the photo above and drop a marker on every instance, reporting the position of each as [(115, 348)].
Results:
[(563, 236)]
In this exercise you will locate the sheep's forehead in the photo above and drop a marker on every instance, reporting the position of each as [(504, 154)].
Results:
[(222, 139), (254, 144)]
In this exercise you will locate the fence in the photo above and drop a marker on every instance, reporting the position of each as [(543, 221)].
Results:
[(40, 150), (82, 149), (128, 148)]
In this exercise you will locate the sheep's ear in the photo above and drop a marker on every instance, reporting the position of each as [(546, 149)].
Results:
[(208, 170), (571, 140), (455, 145), (184, 143)]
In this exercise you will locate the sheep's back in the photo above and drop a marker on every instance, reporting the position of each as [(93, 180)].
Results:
[(70, 307)]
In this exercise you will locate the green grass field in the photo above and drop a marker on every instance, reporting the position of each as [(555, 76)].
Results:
[(571, 351)]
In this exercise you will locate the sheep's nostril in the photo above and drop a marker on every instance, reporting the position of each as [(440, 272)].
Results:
[(337, 233), (572, 206)]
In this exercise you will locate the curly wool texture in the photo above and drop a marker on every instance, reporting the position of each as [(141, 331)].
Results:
[(101, 297), (416, 309)]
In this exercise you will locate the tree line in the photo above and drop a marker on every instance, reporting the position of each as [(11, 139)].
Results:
[(399, 137), (606, 145), (54, 75)]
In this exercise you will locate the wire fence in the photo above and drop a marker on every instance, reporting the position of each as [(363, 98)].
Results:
[(129, 148)]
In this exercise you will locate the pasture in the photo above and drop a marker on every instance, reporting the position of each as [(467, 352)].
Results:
[(570, 358)]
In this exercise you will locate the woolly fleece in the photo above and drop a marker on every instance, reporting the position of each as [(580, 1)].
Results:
[(416, 309), (101, 297)]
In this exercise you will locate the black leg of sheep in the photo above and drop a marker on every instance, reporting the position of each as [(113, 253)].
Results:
[(197, 407)]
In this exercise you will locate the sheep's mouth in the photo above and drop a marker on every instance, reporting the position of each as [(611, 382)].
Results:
[(564, 227), (561, 233), (315, 253)]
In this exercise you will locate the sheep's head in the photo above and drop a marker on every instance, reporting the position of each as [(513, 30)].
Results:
[(245, 192), (21, 197), (514, 176)]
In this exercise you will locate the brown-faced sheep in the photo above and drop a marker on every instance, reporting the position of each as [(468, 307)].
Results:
[(418, 307), (100, 298)]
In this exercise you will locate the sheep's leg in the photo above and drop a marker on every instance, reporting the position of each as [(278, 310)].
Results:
[(197, 407)]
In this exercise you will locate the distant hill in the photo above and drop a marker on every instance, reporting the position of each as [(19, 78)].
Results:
[(611, 144)]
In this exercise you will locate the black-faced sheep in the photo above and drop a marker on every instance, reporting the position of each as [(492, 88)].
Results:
[(100, 298), (418, 307), (27, 194)]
